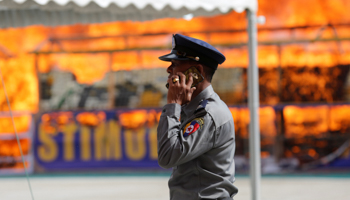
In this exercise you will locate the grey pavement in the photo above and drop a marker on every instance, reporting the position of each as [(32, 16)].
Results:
[(155, 188)]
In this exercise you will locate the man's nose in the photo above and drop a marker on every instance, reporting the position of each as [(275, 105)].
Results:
[(169, 69)]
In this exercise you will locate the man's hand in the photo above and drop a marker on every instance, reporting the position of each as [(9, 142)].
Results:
[(180, 92)]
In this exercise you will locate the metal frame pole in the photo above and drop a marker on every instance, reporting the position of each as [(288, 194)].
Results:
[(111, 82), (253, 104)]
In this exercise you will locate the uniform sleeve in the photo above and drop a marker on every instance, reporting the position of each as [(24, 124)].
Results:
[(175, 147)]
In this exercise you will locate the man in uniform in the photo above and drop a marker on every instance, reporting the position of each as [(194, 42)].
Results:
[(196, 131)]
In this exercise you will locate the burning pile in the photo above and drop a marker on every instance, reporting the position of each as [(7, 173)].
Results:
[(302, 84), (301, 58), (89, 51)]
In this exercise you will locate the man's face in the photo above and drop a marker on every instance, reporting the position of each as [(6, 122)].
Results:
[(178, 66)]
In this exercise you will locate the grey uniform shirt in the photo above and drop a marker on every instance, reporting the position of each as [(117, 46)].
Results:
[(199, 147)]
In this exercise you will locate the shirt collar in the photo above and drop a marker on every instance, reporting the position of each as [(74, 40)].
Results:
[(189, 108)]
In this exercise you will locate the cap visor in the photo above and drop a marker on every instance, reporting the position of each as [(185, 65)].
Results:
[(171, 56)]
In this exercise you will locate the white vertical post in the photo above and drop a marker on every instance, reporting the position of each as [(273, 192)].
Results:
[(253, 104), (111, 82)]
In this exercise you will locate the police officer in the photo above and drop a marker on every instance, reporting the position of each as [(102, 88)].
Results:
[(196, 131)]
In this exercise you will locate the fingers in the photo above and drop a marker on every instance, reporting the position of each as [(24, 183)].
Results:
[(189, 94), (193, 89), (190, 80), (173, 80), (184, 81), (182, 78), (180, 90)]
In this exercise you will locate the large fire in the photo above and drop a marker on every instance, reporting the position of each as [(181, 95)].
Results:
[(21, 121), (20, 71), (90, 51)]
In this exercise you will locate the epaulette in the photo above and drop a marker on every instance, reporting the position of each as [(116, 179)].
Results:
[(201, 108)]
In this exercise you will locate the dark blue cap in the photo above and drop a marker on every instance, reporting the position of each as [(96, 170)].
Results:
[(187, 48)]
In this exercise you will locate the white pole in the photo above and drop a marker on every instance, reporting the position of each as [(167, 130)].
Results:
[(253, 104)]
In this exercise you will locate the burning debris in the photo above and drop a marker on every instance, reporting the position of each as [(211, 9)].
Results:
[(302, 59), (314, 84), (302, 84)]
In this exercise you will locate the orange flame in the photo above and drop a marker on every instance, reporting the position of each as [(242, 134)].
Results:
[(133, 119), (340, 120), (20, 70), (52, 122), (22, 124), (306, 121), (91, 119), (10, 147), (267, 118)]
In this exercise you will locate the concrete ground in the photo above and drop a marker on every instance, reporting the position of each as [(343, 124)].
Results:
[(108, 187)]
